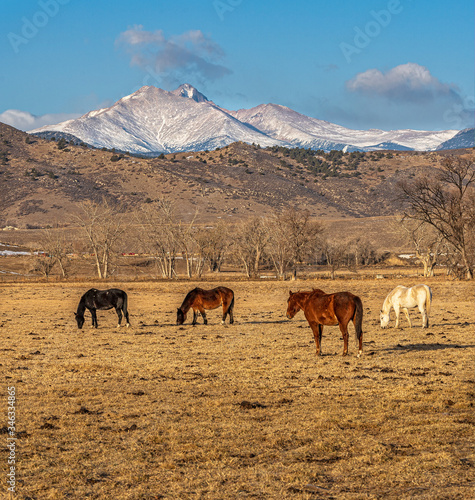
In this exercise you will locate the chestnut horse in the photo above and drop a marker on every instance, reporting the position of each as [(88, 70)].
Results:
[(199, 300), (329, 309)]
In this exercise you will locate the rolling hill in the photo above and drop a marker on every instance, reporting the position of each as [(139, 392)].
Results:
[(43, 181)]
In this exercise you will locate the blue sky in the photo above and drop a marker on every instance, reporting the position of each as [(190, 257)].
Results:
[(388, 64)]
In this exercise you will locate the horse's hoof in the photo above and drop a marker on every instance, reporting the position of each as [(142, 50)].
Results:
[(359, 354)]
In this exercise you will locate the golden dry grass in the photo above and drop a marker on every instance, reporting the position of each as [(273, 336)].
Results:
[(241, 411)]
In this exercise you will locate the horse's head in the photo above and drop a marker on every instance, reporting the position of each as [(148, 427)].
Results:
[(180, 317), (292, 306), (79, 319), (384, 319)]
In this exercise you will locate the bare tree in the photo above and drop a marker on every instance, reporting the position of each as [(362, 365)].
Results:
[(250, 242), (279, 248), (302, 235), (447, 203), (213, 243), (159, 235), (427, 243), (103, 224), (55, 245), (361, 252), (43, 264), (187, 240), (335, 253), (450, 258)]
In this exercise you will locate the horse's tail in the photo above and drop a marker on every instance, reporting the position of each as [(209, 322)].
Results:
[(428, 304), (124, 308), (231, 305), (428, 299), (358, 318)]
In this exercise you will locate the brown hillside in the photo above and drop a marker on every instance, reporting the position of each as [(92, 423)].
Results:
[(41, 184)]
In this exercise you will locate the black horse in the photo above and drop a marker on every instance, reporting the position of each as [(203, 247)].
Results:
[(95, 299)]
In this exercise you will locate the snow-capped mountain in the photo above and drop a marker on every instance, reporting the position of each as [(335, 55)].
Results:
[(464, 139), (282, 123), (152, 121), (187, 90)]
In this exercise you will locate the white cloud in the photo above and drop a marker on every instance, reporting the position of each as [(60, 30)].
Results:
[(409, 82), (176, 59), (137, 36), (23, 120)]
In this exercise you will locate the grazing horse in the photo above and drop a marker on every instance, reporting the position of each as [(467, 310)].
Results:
[(403, 298), (329, 309), (95, 299), (199, 300)]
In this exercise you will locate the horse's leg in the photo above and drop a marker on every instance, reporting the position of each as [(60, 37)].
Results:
[(94, 318), (320, 332), (360, 346), (425, 318), (205, 319), (119, 314), (225, 312), (195, 316), (317, 330), (344, 332), (231, 313), (406, 312), (396, 311)]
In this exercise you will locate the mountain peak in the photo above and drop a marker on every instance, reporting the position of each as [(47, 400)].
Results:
[(188, 91), (153, 120)]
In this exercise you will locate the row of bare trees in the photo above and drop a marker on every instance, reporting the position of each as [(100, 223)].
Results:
[(282, 242)]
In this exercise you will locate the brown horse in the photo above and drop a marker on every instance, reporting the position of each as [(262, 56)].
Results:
[(199, 300), (329, 309)]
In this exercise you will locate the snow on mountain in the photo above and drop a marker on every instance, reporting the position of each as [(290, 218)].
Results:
[(152, 121), (464, 139), (286, 124), (187, 90)]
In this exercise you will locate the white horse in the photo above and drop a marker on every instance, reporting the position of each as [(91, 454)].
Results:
[(403, 298)]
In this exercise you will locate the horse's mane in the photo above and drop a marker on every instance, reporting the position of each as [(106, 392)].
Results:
[(82, 305), (188, 300), (387, 301)]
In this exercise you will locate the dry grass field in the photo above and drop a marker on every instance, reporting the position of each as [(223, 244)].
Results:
[(242, 411)]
